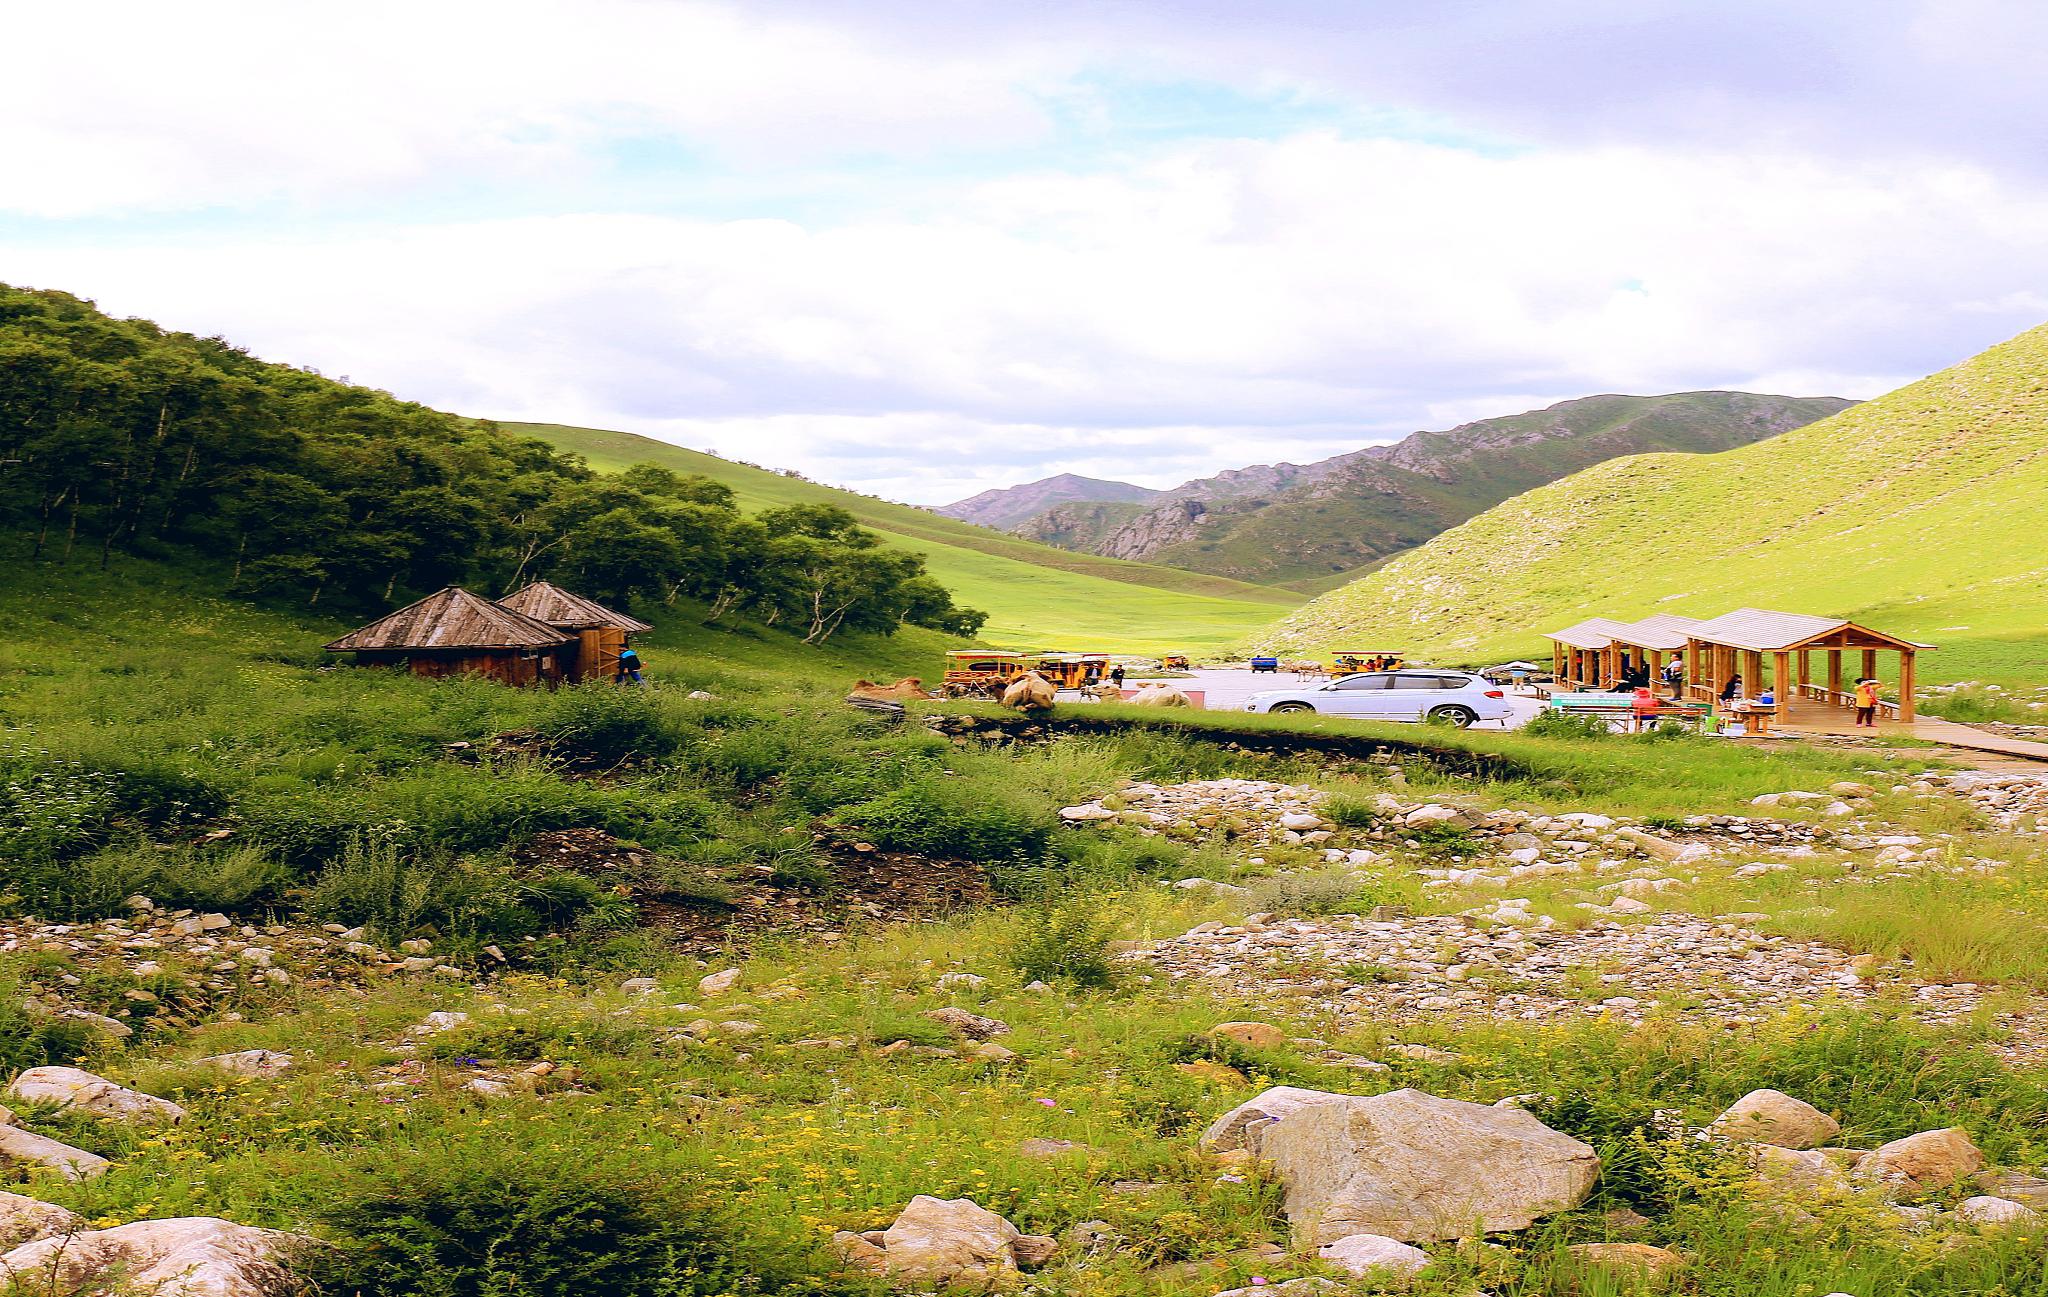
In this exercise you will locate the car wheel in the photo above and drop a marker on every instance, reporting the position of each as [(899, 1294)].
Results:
[(1280, 708), (1462, 717)]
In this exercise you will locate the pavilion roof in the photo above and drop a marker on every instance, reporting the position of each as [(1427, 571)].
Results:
[(1761, 630), (1592, 633), (1660, 631), (545, 601), (451, 619)]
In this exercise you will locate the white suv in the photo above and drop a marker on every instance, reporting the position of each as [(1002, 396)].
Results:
[(1411, 694)]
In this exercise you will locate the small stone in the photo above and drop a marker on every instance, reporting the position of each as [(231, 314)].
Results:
[(1988, 1211), (718, 983), (1774, 1117), (1932, 1159), (1252, 1035), (971, 1025), (1387, 1261), (1630, 1260)]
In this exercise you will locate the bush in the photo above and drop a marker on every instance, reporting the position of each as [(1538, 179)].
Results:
[(399, 891), (1305, 893), (954, 819), (1064, 942), (1352, 812), (603, 725), (505, 1220), (1552, 724)]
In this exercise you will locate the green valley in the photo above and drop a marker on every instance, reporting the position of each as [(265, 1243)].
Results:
[(1036, 595)]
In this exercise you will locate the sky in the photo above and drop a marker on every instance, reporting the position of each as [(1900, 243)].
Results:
[(924, 249)]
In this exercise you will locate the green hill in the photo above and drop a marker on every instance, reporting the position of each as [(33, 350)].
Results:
[(1035, 595), (1306, 526), (1921, 512)]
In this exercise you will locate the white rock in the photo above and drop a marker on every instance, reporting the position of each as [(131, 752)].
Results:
[(1414, 1167), (438, 1021), (942, 1240), (24, 1219), (1774, 1117), (1086, 814), (73, 1090), (1387, 1260), (1628, 905), (640, 985), (1243, 1126), (25, 1148), (718, 983), (194, 1256), (1298, 820), (1986, 1210), (247, 1062)]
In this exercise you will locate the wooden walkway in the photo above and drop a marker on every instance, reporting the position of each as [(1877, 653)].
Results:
[(1819, 718)]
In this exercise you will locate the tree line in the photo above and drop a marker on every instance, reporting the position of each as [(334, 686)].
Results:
[(119, 437)]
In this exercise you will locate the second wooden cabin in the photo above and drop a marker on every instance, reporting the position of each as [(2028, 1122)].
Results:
[(600, 634)]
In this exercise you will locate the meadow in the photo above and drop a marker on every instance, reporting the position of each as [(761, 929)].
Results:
[(712, 1143)]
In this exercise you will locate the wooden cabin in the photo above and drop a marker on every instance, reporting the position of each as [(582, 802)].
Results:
[(601, 634), (453, 632)]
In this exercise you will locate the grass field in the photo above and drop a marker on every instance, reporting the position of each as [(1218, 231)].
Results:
[(1037, 596), (1920, 513)]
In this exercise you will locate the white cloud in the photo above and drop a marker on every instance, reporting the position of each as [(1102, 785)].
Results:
[(1218, 304), (121, 106)]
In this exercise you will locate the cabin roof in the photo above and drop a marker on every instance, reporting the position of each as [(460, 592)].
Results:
[(451, 619), (1592, 633), (1761, 630), (545, 601), (1664, 630)]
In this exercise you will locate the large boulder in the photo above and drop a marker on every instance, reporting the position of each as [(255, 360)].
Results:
[(1243, 1126), (1773, 1117), (73, 1090), (24, 1219), (948, 1241), (192, 1256), (1414, 1167), (25, 1148), (1930, 1160)]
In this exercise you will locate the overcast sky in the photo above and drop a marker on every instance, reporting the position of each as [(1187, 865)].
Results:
[(927, 248)]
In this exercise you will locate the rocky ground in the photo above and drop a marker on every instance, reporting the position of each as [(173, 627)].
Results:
[(1604, 933)]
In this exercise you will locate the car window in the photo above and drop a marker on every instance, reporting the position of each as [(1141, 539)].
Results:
[(1417, 682), (1452, 682), (1364, 682)]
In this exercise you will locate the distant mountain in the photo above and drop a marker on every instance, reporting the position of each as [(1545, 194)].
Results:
[(1921, 513), (1303, 524), (1006, 507)]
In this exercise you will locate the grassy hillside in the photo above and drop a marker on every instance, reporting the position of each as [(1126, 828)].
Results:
[(1036, 595), (1921, 512), (1372, 506)]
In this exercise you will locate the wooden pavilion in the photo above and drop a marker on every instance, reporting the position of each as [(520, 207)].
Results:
[(1739, 640), (600, 633), (1581, 654), (453, 632)]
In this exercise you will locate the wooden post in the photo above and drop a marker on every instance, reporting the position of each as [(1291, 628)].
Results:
[(1870, 664), (1781, 681), (1834, 675), (1805, 669), (1906, 672)]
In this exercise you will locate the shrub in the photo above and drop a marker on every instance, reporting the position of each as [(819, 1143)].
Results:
[(399, 891), (1304, 893), (1352, 812), (505, 1220), (957, 819), (601, 725), (1063, 942), (1551, 724), (30, 1041)]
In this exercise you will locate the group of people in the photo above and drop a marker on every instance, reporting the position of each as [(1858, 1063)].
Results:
[(1635, 678)]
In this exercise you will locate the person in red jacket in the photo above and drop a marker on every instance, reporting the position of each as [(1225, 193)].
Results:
[(1866, 702)]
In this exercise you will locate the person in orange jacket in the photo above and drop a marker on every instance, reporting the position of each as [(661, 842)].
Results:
[(1866, 702)]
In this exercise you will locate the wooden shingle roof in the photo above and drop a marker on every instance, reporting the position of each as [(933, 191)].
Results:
[(1592, 633), (547, 602), (1760, 630), (451, 619), (1659, 631)]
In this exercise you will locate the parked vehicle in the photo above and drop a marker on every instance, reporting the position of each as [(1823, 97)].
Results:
[(1174, 662), (1269, 665), (1415, 694)]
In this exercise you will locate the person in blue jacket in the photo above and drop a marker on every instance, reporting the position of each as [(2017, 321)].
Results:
[(629, 668)]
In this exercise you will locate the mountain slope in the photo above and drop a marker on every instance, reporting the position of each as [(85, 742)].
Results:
[(1300, 524), (1006, 507), (1921, 512), (1037, 596)]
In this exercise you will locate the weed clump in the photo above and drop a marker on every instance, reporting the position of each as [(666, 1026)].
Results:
[(1067, 942), (942, 818), (500, 1220)]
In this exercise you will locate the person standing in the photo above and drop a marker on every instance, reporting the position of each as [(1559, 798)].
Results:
[(1674, 677), (1116, 675), (1866, 702)]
